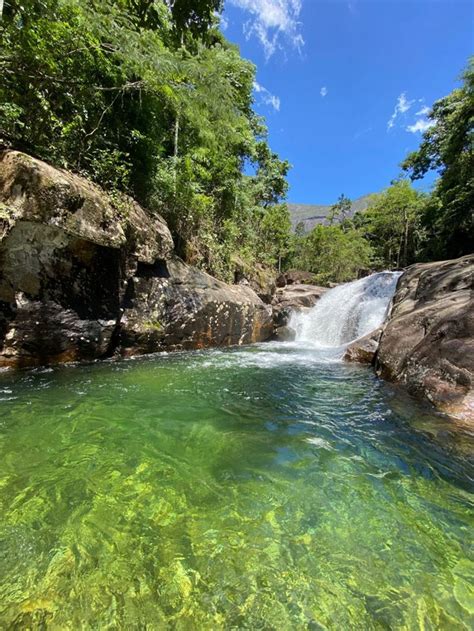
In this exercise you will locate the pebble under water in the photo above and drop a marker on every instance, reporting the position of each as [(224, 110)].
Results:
[(252, 488)]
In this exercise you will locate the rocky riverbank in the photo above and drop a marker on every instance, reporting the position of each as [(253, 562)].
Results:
[(428, 340), (83, 276)]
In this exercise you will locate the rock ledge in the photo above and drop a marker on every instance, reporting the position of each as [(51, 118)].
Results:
[(85, 277)]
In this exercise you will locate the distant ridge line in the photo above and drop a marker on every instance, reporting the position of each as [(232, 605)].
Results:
[(310, 215)]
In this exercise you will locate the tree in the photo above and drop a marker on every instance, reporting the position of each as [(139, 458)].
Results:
[(193, 16), (341, 211), (159, 106), (334, 254), (392, 223), (275, 233), (448, 147)]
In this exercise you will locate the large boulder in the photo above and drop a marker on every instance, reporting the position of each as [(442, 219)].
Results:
[(288, 300), (294, 298), (172, 305), (298, 296), (428, 341), (364, 349), (83, 276)]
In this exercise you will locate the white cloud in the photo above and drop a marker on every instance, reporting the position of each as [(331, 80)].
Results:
[(266, 96), (402, 106), (224, 23), (424, 111), (273, 21), (323, 91), (421, 125)]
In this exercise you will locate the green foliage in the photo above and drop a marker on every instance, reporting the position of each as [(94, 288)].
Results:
[(393, 225), (147, 97), (448, 147), (341, 211), (333, 253)]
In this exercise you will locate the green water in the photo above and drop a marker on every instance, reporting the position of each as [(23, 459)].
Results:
[(246, 489)]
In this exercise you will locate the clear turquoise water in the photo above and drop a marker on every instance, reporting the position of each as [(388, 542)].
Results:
[(247, 489)]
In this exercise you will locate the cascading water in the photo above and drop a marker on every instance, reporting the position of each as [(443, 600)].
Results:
[(346, 313)]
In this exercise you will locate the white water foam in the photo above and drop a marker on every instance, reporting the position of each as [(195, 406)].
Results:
[(346, 313)]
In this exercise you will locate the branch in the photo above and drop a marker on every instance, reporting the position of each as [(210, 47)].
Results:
[(101, 118)]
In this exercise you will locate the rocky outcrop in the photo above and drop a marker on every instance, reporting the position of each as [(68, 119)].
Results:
[(294, 277), (428, 341), (291, 298), (83, 276), (174, 306), (364, 349), (298, 295)]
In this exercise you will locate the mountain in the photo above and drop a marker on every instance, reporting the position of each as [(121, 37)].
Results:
[(311, 215)]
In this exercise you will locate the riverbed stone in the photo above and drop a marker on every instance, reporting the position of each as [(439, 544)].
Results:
[(86, 276), (364, 349), (428, 340)]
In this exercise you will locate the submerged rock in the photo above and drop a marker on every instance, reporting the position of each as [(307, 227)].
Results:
[(428, 341), (83, 276)]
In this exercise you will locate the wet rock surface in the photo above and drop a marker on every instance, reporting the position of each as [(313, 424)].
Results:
[(428, 340), (83, 276), (287, 300), (364, 349), (298, 295)]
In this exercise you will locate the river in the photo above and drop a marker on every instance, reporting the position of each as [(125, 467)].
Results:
[(265, 487)]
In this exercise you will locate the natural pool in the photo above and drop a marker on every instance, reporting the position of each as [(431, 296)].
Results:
[(251, 488)]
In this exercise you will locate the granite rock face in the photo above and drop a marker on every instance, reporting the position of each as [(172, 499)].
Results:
[(428, 340), (171, 305), (84, 277)]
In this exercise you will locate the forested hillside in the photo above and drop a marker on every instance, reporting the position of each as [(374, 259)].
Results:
[(148, 98)]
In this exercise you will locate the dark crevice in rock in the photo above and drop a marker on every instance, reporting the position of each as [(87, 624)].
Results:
[(158, 269)]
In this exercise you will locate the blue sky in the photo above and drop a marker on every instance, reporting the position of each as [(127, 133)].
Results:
[(344, 84)]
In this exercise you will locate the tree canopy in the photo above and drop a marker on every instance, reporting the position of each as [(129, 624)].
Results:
[(448, 148), (147, 97), (392, 224)]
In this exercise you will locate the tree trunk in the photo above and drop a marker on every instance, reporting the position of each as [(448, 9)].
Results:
[(175, 152), (405, 249)]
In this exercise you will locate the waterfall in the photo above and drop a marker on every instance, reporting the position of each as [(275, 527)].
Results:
[(347, 312)]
